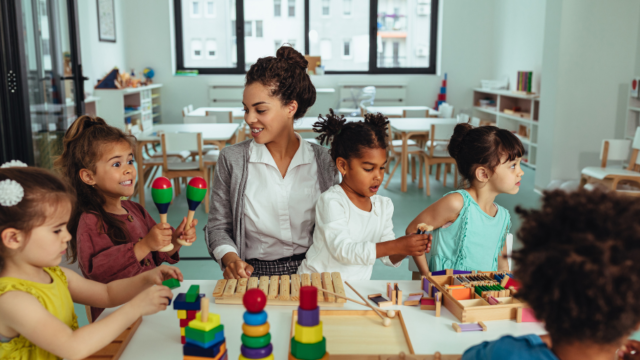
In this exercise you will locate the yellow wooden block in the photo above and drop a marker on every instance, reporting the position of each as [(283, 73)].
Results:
[(270, 357), (308, 334), (182, 332), (212, 322), (255, 330), (182, 314)]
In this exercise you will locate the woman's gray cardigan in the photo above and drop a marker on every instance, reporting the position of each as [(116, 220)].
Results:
[(226, 213)]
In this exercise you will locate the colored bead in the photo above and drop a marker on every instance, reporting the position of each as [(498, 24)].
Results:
[(193, 350), (212, 322), (308, 317), (308, 351), (255, 318), (270, 357), (308, 297), (254, 300), (259, 353), (308, 334), (255, 331), (205, 336), (256, 342)]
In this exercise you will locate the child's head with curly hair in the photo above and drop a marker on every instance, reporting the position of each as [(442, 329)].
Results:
[(579, 266), (359, 149)]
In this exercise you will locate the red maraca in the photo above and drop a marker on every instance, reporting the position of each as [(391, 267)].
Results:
[(162, 194), (196, 191)]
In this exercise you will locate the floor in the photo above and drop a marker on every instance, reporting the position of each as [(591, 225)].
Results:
[(407, 206)]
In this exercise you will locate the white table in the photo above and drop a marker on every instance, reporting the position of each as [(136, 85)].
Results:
[(305, 124), (408, 127), (398, 111), (237, 112), (216, 134), (158, 336), (325, 90)]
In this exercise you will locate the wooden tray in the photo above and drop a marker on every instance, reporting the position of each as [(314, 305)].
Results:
[(117, 346), (282, 290), (359, 334)]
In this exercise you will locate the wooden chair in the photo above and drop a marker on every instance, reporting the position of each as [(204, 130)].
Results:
[(185, 112), (437, 153), (177, 170), (395, 153), (611, 176)]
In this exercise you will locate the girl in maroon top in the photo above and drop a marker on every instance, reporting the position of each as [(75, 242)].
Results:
[(112, 238)]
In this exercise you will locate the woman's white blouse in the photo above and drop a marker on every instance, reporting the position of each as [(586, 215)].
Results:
[(345, 237), (279, 212)]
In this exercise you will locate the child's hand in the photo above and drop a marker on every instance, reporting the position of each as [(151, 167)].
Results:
[(152, 300), (414, 244), (162, 273), (158, 237), (189, 235), (630, 351)]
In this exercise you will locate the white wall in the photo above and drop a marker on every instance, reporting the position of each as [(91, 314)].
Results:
[(98, 57), (590, 50), (467, 56)]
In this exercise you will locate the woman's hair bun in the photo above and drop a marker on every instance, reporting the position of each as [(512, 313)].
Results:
[(455, 144), (292, 56)]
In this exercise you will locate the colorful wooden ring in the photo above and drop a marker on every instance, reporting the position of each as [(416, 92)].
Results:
[(255, 331), (308, 334), (308, 297), (256, 353), (270, 357), (308, 317), (254, 319), (254, 300), (308, 351), (255, 342)]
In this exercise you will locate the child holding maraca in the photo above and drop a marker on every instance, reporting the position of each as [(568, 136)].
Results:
[(112, 238)]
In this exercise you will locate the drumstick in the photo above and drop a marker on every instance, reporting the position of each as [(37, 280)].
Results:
[(344, 297), (385, 321)]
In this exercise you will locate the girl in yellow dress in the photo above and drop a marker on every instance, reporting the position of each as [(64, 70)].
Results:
[(37, 320)]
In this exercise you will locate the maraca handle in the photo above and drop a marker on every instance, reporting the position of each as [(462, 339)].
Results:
[(187, 227), (163, 220)]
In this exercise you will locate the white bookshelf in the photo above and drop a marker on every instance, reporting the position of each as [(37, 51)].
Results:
[(505, 99), (633, 116), (146, 100)]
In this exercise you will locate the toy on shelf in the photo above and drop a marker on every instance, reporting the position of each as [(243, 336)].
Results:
[(308, 342), (188, 305), (196, 191), (162, 194), (282, 290), (466, 294), (117, 346), (256, 339), (204, 335), (442, 95), (480, 326)]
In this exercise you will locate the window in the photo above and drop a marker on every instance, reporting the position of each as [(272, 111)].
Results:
[(259, 28), (195, 8), (211, 9), (346, 7), (212, 48), (292, 8), (277, 7), (325, 7), (196, 49), (402, 39)]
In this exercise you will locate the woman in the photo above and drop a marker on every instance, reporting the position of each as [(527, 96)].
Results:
[(265, 190)]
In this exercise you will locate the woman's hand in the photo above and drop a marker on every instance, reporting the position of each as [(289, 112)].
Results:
[(162, 273), (188, 235), (235, 268)]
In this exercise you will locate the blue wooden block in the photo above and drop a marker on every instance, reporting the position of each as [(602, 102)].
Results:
[(180, 302), (254, 319), (219, 338), (195, 350)]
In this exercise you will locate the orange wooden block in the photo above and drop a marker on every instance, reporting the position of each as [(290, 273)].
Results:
[(461, 294)]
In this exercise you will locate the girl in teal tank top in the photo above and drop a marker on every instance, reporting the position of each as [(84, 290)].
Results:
[(470, 228)]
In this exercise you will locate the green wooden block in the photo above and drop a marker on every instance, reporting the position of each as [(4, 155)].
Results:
[(192, 293), (202, 336), (171, 283), (256, 342), (308, 351)]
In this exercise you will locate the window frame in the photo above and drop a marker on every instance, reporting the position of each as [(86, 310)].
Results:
[(373, 59)]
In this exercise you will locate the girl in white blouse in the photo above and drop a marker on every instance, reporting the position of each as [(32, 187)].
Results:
[(354, 225)]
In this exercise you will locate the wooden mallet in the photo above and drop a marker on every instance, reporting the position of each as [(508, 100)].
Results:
[(196, 191), (162, 194)]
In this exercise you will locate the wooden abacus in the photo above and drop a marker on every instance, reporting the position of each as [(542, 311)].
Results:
[(282, 290)]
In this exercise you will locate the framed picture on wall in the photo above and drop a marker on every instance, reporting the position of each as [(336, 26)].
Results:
[(106, 21)]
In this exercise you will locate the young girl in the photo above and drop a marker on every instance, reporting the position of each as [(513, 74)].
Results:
[(470, 228), (37, 320), (354, 225), (112, 238)]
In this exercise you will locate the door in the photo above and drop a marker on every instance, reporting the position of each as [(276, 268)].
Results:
[(50, 78)]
